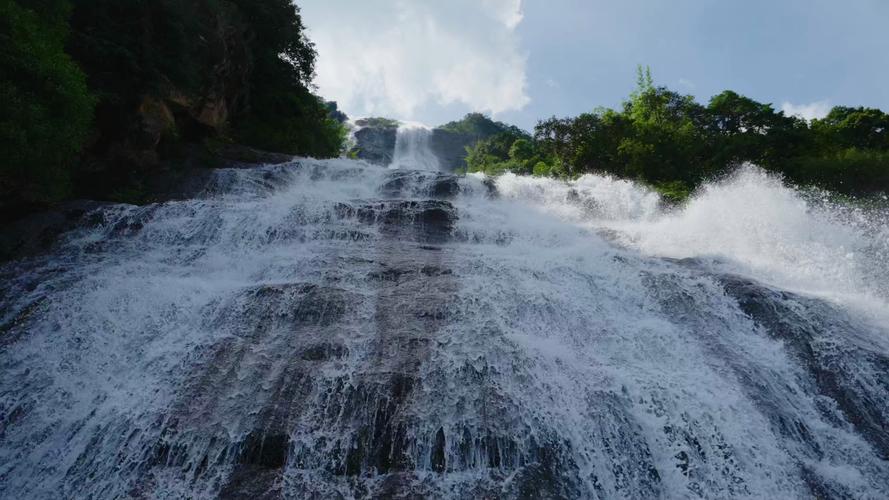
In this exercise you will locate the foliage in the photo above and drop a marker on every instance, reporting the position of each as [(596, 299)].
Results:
[(672, 143), (164, 73), (851, 170), (377, 122), (335, 113), (478, 125), (672, 191), (45, 106), (509, 150), (282, 113), (294, 122), (846, 127)]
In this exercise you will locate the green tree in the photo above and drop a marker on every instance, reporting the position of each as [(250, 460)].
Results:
[(45, 106), (521, 150), (282, 113), (846, 127), (667, 139), (746, 130)]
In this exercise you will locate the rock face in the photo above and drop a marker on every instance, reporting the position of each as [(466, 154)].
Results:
[(450, 148), (375, 144), (160, 118)]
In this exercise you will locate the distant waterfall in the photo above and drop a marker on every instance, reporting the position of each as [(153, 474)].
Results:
[(335, 329), (412, 148)]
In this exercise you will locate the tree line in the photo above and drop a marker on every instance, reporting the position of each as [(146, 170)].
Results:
[(94, 93), (673, 143)]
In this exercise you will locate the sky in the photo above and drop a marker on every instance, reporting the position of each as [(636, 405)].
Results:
[(519, 61)]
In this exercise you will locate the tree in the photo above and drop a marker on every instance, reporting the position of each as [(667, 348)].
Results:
[(846, 127), (521, 150), (45, 106), (282, 113), (667, 141)]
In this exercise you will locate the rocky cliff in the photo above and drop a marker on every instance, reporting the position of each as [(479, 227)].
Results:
[(450, 147), (375, 140)]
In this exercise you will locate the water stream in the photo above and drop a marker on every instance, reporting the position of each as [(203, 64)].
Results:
[(331, 329)]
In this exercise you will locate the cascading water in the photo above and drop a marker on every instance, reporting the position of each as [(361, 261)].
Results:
[(412, 149), (329, 329)]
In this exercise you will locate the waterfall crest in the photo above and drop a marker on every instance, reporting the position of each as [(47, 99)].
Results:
[(332, 329), (412, 149)]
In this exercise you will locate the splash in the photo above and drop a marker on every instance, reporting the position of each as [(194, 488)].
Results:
[(750, 223)]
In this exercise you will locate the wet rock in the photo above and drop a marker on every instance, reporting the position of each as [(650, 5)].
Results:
[(389, 274), (253, 483), (288, 305), (376, 144), (323, 352), (239, 154), (414, 183), (38, 233), (838, 367), (428, 220), (439, 463), (443, 186), (264, 449), (450, 147)]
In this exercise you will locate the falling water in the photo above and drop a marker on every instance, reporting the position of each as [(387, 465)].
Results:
[(331, 329), (412, 149)]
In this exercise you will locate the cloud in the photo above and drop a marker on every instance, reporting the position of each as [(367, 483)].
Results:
[(811, 111), (395, 57)]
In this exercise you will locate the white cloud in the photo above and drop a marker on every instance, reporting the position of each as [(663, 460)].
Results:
[(811, 111), (394, 57)]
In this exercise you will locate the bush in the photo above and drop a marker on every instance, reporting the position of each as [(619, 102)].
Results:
[(851, 171)]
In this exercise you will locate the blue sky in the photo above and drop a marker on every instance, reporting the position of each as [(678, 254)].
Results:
[(433, 61)]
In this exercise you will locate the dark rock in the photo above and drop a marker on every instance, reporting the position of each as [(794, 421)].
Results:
[(438, 452), (37, 233), (233, 154), (323, 352), (444, 186), (450, 147), (413, 183), (265, 449), (835, 367), (375, 144), (430, 220)]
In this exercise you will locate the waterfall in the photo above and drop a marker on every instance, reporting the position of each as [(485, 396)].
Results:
[(331, 329), (412, 148)]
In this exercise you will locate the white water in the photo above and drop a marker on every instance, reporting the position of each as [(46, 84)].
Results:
[(412, 148), (544, 343), (750, 223)]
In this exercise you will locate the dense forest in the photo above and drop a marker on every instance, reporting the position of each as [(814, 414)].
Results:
[(97, 94), (673, 143)]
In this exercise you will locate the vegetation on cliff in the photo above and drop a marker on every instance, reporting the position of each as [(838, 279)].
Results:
[(97, 93), (45, 106), (673, 143)]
